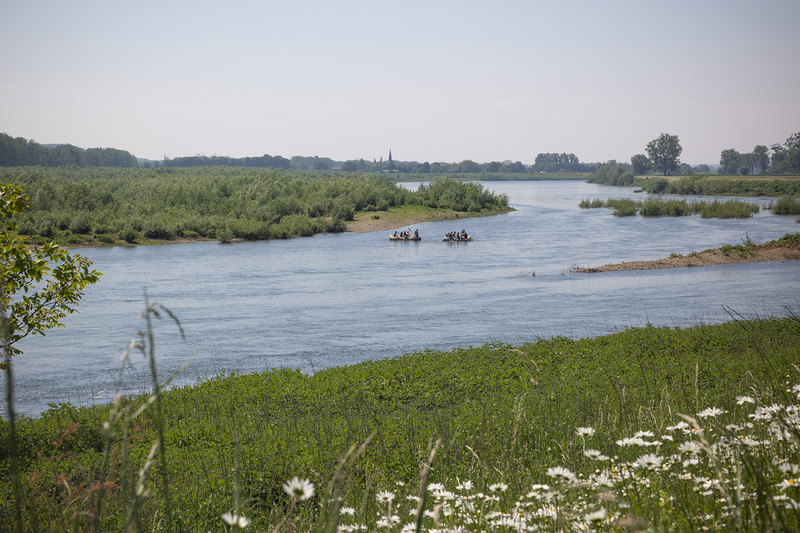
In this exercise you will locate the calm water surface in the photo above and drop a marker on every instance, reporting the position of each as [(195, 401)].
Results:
[(338, 299)]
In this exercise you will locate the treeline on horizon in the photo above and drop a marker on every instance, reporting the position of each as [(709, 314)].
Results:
[(20, 152), (75, 206), (779, 159)]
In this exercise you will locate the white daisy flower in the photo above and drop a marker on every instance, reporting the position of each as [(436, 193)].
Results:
[(585, 432), (741, 400), (597, 516), (789, 468), (680, 425), (501, 487), (595, 454), (787, 483), (690, 447), (302, 489), (559, 473), (712, 412), (649, 461), (384, 496), (236, 521)]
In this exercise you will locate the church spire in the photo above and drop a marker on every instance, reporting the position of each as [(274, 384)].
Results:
[(390, 155)]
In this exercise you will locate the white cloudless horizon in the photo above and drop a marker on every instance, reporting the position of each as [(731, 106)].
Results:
[(432, 81)]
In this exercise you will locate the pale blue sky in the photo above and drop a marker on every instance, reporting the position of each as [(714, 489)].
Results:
[(433, 81)]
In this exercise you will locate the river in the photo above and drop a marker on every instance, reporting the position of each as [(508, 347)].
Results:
[(339, 299)]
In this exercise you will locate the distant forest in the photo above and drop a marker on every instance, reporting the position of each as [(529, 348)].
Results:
[(20, 152)]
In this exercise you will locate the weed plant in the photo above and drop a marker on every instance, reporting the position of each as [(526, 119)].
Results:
[(552, 435)]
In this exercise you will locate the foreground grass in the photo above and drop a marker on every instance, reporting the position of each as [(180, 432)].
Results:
[(552, 435)]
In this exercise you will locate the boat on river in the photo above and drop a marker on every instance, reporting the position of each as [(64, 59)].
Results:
[(404, 239), (457, 236)]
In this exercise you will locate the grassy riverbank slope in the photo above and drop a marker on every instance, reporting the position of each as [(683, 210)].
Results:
[(551, 435)]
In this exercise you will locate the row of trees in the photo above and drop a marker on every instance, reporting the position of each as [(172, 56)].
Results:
[(265, 161), (778, 159), (18, 152), (663, 155), (544, 163)]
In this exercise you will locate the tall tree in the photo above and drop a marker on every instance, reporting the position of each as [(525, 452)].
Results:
[(761, 158), (729, 161), (640, 164), (664, 153)]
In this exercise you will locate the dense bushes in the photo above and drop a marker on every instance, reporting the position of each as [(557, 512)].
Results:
[(169, 203), (611, 175)]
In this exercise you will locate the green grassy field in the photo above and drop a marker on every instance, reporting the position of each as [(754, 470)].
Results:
[(660, 428)]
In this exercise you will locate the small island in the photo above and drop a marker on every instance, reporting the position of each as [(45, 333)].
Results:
[(787, 248)]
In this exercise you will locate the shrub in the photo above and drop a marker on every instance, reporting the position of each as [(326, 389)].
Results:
[(129, 235), (158, 230), (81, 223), (785, 206), (46, 228), (224, 235)]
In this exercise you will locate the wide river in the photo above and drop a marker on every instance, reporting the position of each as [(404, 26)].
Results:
[(338, 299)]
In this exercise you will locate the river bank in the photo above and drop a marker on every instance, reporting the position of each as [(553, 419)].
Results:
[(784, 249)]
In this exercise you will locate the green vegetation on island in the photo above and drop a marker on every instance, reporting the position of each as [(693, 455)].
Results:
[(675, 207), (653, 428), (98, 206), (698, 184)]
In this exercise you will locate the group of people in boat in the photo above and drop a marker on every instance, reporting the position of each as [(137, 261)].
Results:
[(407, 234), (458, 235)]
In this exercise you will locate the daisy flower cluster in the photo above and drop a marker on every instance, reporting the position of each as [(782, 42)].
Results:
[(708, 472)]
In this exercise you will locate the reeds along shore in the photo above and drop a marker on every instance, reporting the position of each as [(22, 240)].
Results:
[(658, 206), (648, 428)]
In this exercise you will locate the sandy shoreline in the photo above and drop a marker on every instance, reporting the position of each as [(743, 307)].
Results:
[(364, 223), (705, 258)]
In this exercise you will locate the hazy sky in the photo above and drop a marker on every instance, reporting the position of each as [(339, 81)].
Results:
[(433, 81)]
